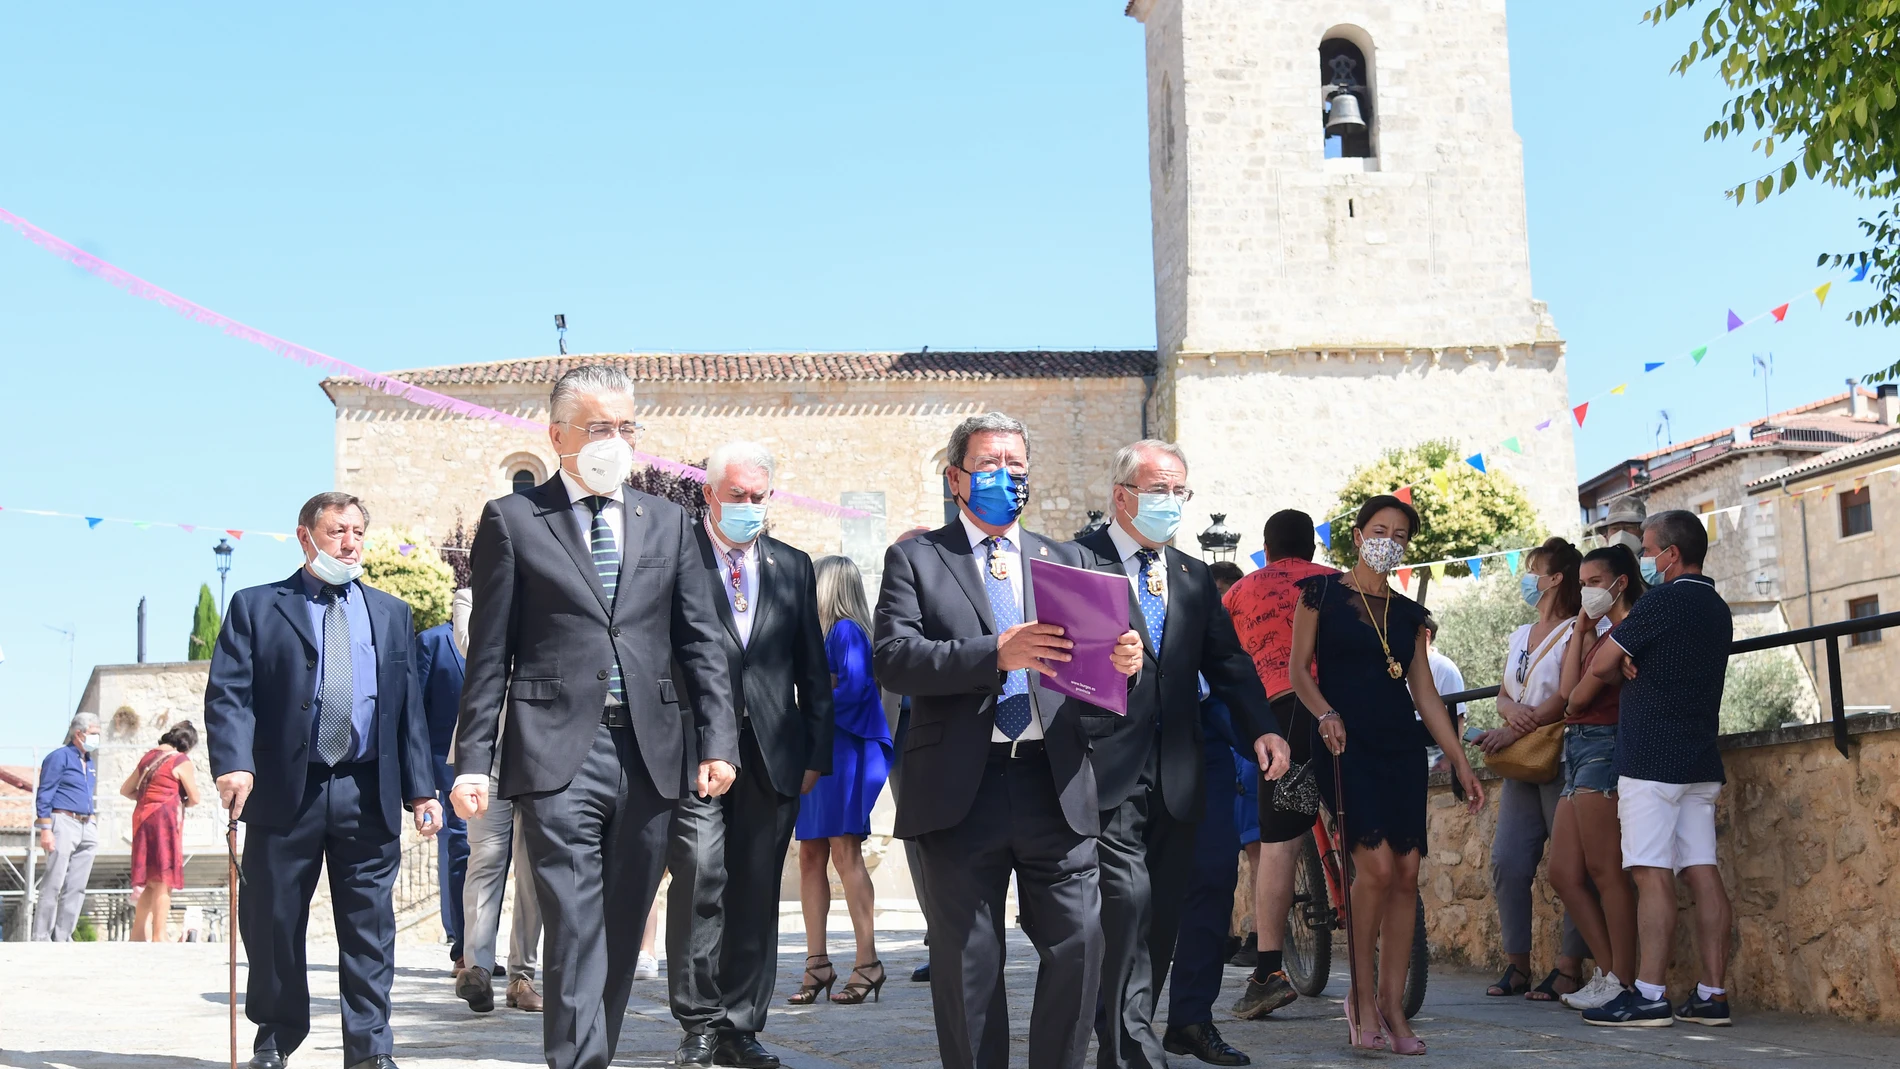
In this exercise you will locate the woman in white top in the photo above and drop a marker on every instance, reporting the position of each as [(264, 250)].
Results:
[(1532, 697)]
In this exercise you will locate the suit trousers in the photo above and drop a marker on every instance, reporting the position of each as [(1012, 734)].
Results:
[(451, 855), (338, 829), (1207, 908), (494, 838), (597, 847), (1014, 824), (727, 855), (1146, 861), (913, 855), (62, 891)]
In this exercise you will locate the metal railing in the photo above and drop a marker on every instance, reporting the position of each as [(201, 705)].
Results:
[(1831, 633)]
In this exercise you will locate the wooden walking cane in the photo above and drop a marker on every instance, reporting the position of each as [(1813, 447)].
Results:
[(1342, 846), (231, 932)]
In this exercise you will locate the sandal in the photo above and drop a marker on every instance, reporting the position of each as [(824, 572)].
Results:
[(816, 981), (1547, 991), (861, 985), (1515, 981)]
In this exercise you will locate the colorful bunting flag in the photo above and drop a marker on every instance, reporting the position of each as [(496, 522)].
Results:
[(1618, 390), (1403, 493), (1579, 412), (1441, 481), (1512, 444), (403, 549), (1860, 274), (1476, 460), (1711, 524), (1734, 321), (94, 521), (1259, 558), (187, 528), (1820, 292), (1476, 566), (1438, 571), (1511, 559), (1698, 353), (1405, 579), (1544, 426), (1651, 365), (234, 534), (1325, 532), (279, 537), (1779, 313)]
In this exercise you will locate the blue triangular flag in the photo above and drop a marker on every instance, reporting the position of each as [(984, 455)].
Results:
[(94, 521), (1476, 566), (1259, 558), (1651, 366), (1476, 460), (1860, 273), (1325, 533), (1733, 319)]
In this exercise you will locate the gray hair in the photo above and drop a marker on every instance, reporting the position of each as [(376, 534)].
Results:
[(1683, 530), (588, 380), (994, 422), (744, 454), (841, 593), (86, 722), (324, 502), (1128, 459)]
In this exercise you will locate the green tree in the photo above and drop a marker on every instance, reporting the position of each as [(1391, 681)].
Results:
[(1475, 513), (417, 575), (204, 626), (1816, 81)]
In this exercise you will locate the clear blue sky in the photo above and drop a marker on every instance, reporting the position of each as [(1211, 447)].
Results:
[(425, 184)]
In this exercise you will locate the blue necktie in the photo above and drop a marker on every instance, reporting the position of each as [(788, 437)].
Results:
[(1153, 609), (1012, 710), (336, 694), (607, 565)]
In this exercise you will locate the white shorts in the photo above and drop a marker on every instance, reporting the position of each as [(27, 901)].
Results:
[(1666, 825)]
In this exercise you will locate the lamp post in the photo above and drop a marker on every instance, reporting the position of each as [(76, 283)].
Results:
[(1217, 542), (224, 550), (1097, 521)]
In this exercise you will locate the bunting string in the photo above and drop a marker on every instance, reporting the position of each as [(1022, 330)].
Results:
[(93, 522), (394, 387)]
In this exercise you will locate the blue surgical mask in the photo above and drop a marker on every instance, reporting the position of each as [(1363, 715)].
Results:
[(1651, 574), (1527, 587), (741, 522), (997, 497), (1158, 516)]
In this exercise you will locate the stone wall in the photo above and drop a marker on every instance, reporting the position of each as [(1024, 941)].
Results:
[(136, 703), (1808, 852)]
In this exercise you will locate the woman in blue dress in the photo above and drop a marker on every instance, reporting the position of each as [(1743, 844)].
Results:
[(835, 816)]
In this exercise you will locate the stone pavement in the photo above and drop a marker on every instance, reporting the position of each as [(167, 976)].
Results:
[(120, 1005)]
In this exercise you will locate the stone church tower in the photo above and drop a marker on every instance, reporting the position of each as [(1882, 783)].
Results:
[(1320, 299)]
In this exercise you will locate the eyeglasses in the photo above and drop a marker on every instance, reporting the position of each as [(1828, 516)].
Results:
[(1179, 493), (597, 431)]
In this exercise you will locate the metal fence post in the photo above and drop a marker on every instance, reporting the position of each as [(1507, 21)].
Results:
[(1834, 693)]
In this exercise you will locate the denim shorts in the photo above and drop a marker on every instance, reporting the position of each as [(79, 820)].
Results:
[(1589, 758)]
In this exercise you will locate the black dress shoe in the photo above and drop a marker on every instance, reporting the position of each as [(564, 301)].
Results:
[(376, 1061), (477, 988), (1203, 1041), (695, 1050), (921, 974), (743, 1050), (268, 1058)]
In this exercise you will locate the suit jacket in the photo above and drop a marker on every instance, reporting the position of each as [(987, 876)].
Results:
[(1196, 640), (781, 680), (264, 682), (543, 638), (439, 668), (936, 641)]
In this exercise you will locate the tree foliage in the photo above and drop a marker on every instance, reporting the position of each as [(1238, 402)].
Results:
[(204, 626), (1474, 630), (1817, 82), (419, 576), (1761, 690), (1475, 513)]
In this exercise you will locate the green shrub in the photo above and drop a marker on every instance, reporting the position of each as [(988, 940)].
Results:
[(204, 626), (1760, 690), (85, 931), (420, 576), (1474, 630)]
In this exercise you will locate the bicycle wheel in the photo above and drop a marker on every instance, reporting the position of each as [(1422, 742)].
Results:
[(1419, 968), (1308, 958)]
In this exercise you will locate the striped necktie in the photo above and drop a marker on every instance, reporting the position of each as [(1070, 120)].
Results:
[(600, 538), (336, 695)]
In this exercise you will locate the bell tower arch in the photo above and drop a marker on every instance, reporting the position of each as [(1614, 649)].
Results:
[(1341, 258)]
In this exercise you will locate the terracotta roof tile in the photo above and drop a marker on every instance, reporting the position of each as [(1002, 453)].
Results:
[(794, 367)]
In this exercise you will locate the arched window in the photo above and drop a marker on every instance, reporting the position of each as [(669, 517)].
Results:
[(522, 471), (1346, 112), (523, 481)]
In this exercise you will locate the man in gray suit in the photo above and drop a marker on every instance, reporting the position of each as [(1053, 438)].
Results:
[(588, 593), (995, 767)]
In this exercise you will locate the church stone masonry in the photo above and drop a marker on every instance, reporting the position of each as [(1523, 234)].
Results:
[(1312, 312)]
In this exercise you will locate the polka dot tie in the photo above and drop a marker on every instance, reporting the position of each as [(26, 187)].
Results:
[(1012, 710)]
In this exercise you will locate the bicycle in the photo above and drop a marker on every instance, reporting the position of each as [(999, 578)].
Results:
[(1319, 886)]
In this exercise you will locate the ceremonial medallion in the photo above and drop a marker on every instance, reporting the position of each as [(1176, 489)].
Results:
[(1392, 669), (1155, 584), (739, 604), (999, 566)]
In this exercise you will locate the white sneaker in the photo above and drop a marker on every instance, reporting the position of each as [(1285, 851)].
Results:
[(1600, 991), (645, 967)]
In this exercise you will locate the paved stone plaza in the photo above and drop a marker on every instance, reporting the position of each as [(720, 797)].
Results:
[(121, 1005)]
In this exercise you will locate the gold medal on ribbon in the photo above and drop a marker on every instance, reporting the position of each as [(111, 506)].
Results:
[(999, 566), (1156, 585), (740, 604), (1392, 668)]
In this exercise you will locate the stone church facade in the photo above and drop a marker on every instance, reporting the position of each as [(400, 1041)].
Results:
[(1319, 299)]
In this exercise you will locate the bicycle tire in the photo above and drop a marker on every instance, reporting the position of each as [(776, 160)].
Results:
[(1418, 970), (1308, 957)]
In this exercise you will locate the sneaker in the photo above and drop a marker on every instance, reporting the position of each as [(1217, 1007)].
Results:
[(1260, 999), (1709, 1011), (646, 967), (1598, 992), (1632, 1010)]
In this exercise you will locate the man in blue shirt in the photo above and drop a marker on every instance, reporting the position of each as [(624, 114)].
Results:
[(63, 816)]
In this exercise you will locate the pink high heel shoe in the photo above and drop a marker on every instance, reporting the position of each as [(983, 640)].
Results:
[(1399, 1044), (1358, 1039)]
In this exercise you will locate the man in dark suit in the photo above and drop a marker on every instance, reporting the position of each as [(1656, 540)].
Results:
[(1148, 764), (315, 726), (995, 767), (439, 666), (727, 853), (588, 594)]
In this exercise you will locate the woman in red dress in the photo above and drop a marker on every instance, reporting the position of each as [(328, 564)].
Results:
[(163, 779)]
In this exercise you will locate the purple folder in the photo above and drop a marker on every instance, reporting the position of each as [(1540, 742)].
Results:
[(1092, 610)]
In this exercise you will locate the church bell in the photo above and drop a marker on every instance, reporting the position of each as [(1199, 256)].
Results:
[(1342, 113)]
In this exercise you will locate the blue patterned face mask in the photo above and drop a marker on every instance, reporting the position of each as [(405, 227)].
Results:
[(997, 497)]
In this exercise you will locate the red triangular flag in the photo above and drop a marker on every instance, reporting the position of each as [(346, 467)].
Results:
[(1405, 578), (1403, 493), (1780, 313), (235, 534), (1579, 411)]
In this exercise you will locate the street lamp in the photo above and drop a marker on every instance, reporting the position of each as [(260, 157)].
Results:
[(1217, 542), (1097, 521), (224, 550)]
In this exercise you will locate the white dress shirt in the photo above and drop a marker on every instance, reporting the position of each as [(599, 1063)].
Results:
[(616, 512), (1013, 557), (1126, 545), (748, 580)]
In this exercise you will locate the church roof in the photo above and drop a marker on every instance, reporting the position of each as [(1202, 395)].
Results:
[(791, 367)]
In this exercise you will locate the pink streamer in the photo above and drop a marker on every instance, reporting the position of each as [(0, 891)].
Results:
[(198, 313)]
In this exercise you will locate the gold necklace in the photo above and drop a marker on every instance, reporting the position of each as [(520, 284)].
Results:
[(1382, 629)]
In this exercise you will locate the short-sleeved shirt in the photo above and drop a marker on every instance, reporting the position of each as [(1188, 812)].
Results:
[(1678, 636), (1261, 605)]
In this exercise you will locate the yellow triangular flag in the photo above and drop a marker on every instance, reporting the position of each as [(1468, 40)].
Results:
[(1442, 481), (1438, 571), (1712, 532), (1820, 292), (1621, 388)]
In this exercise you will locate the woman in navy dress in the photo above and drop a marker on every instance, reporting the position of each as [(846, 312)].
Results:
[(835, 816)]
